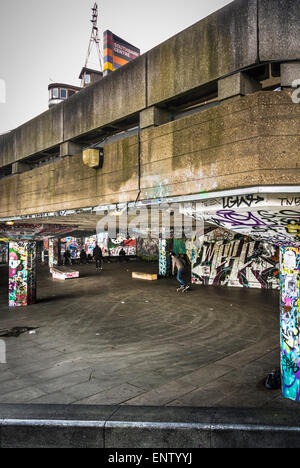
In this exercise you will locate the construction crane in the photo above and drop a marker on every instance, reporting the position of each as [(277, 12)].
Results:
[(94, 40)]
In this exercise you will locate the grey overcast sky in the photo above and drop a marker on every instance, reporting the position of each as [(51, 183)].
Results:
[(43, 41)]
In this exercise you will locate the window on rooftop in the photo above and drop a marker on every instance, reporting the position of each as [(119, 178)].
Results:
[(55, 93), (63, 94), (87, 79)]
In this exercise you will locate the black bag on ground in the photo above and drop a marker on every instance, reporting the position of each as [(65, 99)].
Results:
[(273, 381)]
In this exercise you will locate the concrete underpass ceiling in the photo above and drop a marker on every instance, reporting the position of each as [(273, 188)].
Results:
[(271, 217), (39, 227)]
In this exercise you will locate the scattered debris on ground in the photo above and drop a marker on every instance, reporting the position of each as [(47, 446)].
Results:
[(15, 331)]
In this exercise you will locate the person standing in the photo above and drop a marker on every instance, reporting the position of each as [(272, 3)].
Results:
[(179, 263), (67, 257), (97, 254), (122, 255), (83, 257)]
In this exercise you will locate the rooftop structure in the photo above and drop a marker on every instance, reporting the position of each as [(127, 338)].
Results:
[(59, 92)]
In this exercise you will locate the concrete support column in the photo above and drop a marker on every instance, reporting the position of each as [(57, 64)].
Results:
[(53, 255), (290, 72), (153, 117), (239, 84), (165, 262), (290, 321), (22, 273)]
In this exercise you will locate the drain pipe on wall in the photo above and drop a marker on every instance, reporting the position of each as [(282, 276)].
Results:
[(139, 165)]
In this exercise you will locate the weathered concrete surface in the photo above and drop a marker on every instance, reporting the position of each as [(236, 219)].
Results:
[(69, 183), (164, 370), (239, 36), (239, 84), (40, 133), (279, 30), (222, 43), (41, 426), (58, 426), (7, 148), (118, 95), (289, 73), (248, 141), (106, 339)]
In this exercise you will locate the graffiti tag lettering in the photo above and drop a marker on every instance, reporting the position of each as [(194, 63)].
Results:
[(246, 200), (288, 364)]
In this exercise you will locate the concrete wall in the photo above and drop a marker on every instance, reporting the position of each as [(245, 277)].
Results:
[(236, 37), (279, 30), (43, 132), (247, 141), (118, 95), (7, 148), (220, 44)]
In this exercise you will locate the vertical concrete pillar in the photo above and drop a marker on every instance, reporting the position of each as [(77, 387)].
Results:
[(53, 255), (290, 321), (22, 273), (165, 263)]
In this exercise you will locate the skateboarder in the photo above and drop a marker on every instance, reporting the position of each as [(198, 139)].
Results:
[(179, 263)]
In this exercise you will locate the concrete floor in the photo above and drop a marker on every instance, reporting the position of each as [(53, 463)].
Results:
[(106, 339)]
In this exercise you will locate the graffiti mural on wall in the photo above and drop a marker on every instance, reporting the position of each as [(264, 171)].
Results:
[(235, 262), (277, 227), (116, 245), (109, 246), (22, 273), (165, 263), (73, 244), (53, 253), (147, 249), (179, 246), (290, 302), (271, 218)]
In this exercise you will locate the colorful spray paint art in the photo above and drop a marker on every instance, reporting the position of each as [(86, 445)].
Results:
[(266, 217), (53, 252), (22, 273), (147, 249), (238, 262), (290, 340), (165, 262), (116, 245), (72, 244)]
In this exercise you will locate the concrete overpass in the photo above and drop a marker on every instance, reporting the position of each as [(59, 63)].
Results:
[(195, 121)]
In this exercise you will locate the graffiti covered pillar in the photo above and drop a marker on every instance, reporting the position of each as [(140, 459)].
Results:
[(53, 252), (165, 263), (22, 273), (289, 305)]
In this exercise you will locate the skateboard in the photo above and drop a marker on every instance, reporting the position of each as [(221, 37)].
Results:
[(184, 290)]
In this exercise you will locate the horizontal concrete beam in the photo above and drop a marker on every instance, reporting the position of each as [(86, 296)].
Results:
[(221, 44), (112, 427), (247, 141)]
